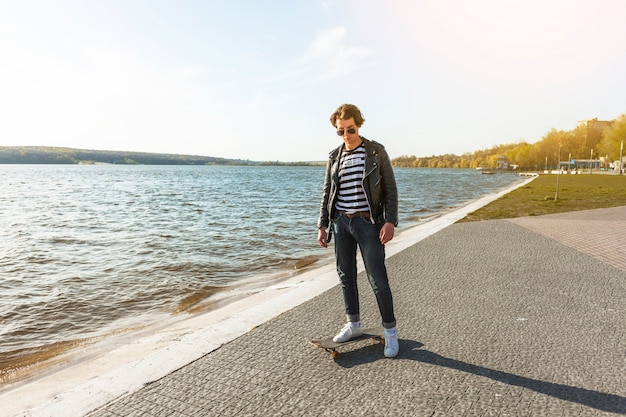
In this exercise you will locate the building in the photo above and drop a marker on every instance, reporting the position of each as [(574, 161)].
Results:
[(594, 126)]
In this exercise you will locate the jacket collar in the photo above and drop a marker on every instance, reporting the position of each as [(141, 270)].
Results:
[(334, 154)]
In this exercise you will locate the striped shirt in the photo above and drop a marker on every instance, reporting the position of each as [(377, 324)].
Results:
[(351, 196)]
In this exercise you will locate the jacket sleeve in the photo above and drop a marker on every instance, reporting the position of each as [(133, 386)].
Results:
[(324, 216), (390, 190)]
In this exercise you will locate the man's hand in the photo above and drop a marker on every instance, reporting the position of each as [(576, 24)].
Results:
[(322, 237), (386, 232)]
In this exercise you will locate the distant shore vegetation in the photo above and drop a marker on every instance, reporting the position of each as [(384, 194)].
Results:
[(590, 140), (54, 155)]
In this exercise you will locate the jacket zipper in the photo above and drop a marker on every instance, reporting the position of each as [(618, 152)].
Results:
[(365, 175)]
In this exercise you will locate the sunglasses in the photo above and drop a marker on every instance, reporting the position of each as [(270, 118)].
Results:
[(351, 131)]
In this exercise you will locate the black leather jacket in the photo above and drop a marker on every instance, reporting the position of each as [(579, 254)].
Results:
[(379, 184)]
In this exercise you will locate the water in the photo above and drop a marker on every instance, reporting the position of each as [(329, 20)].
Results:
[(87, 250)]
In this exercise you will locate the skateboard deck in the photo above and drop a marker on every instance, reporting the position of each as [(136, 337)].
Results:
[(376, 333)]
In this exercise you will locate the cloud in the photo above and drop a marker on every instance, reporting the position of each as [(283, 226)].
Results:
[(326, 5), (326, 57), (327, 42)]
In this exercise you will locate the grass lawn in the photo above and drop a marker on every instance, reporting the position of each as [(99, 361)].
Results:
[(575, 192)]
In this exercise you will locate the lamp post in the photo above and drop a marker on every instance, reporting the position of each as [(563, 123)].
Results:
[(591, 163), (621, 164), (558, 174)]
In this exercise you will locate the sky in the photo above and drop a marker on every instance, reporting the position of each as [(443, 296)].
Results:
[(258, 80)]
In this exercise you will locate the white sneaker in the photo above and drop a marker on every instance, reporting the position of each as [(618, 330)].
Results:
[(391, 343), (349, 331)]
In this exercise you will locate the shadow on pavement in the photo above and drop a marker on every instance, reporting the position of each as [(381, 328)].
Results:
[(411, 350), (599, 400)]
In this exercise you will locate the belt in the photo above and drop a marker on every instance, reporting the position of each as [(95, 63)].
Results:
[(364, 214)]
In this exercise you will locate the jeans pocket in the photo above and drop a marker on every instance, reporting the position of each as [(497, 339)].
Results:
[(367, 221)]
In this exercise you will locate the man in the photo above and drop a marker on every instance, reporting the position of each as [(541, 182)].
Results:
[(360, 207)]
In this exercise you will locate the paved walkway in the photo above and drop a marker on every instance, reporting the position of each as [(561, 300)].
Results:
[(521, 317)]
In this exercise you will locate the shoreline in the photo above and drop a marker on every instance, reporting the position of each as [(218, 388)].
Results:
[(84, 379)]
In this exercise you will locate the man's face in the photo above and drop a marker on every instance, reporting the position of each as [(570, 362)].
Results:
[(352, 140)]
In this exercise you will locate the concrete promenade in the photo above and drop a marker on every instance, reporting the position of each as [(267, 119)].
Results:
[(521, 317)]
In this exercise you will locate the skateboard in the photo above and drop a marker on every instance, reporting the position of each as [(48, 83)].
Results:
[(376, 333)]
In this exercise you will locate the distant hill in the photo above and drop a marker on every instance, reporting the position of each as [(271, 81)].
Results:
[(55, 155)]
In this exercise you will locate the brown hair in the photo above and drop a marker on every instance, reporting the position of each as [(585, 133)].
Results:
[(345, 112)]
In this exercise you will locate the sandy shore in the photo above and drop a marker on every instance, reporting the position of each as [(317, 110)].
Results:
[(86, 378)]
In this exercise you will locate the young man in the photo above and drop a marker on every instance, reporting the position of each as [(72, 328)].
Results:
[(360, 205)]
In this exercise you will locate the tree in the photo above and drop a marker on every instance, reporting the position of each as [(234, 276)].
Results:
[(578, 143), (522, 155), (613, 136)]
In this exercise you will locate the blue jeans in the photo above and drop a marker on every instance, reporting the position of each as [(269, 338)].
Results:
[(350, 233)]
